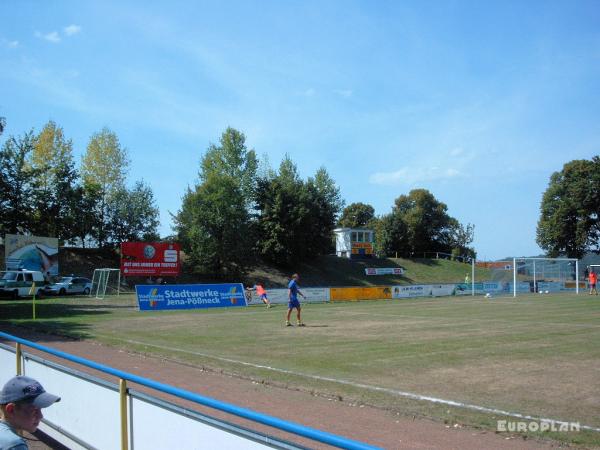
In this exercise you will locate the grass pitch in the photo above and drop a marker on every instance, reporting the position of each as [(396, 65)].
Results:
[(534, 355)]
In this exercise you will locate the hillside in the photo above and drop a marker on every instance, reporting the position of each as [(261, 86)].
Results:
[(322, 271), (333, 271)]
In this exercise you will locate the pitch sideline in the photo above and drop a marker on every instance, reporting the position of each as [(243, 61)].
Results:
[(404, 394)]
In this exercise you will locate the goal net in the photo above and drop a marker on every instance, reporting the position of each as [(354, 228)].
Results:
[(544, 275), (105, 282)]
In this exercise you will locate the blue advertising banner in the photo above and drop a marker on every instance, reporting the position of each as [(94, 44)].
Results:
[(189, 296)]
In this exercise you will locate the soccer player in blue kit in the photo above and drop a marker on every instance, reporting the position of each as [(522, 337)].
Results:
[(293, 302)]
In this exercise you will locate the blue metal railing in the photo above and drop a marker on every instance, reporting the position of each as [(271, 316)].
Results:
[(291, 427)]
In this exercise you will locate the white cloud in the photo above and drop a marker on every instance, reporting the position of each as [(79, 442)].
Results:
[(55, 37), (413, 175), (50, 37), (9, 44), (429, 166), (72, 29), (346, 93)]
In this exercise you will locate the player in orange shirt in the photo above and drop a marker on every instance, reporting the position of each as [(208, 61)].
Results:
[(593, 280), (261, 292)]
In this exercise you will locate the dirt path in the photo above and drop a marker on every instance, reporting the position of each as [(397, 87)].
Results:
[(371, 425)]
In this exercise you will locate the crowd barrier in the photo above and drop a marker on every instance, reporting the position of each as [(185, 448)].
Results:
[(97, 414)]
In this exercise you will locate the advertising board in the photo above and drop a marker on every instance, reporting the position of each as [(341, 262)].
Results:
[(442, 290), (491, 287), (362, 248), (280, 296), (384, 271), (31, 253), (155, 297), (360, 293), (424, 290), (411, 291), (551, 286), (524, 286), (155, 259)]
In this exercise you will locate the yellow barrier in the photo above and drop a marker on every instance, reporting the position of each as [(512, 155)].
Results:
[(353, 294)]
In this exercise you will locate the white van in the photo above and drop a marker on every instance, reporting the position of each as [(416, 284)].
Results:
[(18, 283)]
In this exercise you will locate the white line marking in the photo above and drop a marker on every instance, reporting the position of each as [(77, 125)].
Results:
[(409, 395), (468, 322)]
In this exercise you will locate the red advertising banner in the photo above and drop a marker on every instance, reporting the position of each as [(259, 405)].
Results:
[(155, 259)]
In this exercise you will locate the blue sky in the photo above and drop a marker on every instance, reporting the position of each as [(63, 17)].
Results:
[(479, 102)]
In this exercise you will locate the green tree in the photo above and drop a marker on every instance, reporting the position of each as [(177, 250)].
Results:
[(133, 215), (357, 215), (419, 223), (233, 159), (460, 237), (296, 218), (84, 202), (56, 177), (105, 165), (17, 184), (282, 215), (427, 221), (569, 223), (213, 224), (391, 235), (324, 206), (2, 124)]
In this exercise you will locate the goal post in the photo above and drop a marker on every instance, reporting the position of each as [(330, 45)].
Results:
[(105, 282), (531, 273)]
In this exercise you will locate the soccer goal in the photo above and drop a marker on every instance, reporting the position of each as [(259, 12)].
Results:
[(105, 282), (545, 275)]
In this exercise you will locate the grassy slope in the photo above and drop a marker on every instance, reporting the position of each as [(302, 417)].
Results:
[(332, 271), (322, 271)]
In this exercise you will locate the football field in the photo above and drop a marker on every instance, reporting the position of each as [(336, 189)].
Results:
[(534, 355)]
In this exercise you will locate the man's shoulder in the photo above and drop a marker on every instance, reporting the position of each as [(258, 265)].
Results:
[(10, 440)]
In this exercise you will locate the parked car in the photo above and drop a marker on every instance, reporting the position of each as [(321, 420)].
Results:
[(20, 283), (69, 285)]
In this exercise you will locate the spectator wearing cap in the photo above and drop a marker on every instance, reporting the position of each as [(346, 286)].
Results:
[(21, 402)]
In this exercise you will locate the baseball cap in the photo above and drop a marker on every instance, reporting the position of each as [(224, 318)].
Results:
[(22, 388)]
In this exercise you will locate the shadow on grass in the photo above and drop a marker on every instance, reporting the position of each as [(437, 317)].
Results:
[(19, 310), (333, 272), (46, 331), (58, 319)]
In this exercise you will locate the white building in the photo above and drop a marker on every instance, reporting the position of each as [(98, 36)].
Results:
[(354, 242)]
